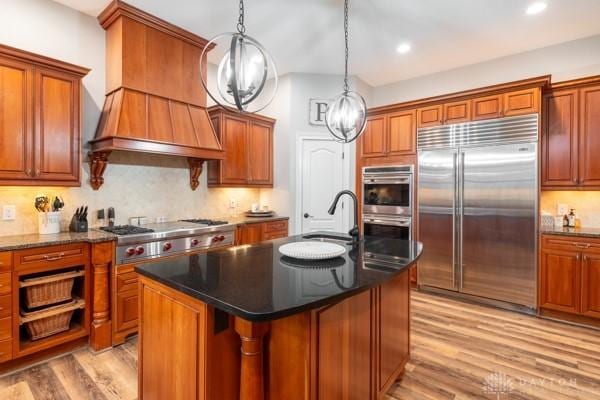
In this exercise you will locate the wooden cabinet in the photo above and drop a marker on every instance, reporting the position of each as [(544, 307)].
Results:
[(570, 275), (590, 285), (507, 104), (487, 107), (248, 144), (125, 316), (391, 134), (458, 111), (40, 127), (571, 136), (251, 233), (589, 137), (560, 138), (393, 335)]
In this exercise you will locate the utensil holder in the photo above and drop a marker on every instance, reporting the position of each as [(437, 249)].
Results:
[(49, 222)]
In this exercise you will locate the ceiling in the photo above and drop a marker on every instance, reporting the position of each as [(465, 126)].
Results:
[(307, 35)]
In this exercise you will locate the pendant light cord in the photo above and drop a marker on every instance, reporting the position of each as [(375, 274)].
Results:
[(240, 26), (346, 87)]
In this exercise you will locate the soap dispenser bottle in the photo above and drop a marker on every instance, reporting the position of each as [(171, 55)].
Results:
[(572, 218)]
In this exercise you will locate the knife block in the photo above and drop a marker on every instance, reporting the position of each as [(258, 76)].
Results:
[(78, 225)]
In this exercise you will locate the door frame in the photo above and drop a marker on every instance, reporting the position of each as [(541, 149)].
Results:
[(301, 139)]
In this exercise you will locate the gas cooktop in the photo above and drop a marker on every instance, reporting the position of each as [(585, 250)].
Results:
[(121, 230), (204, 221)]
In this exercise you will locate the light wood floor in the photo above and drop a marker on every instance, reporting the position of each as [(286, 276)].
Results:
[(459, 351)]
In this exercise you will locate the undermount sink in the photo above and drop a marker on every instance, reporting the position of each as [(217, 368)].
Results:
[(327, 236)]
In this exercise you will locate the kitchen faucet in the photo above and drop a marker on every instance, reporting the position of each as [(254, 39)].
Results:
[(354, 232)]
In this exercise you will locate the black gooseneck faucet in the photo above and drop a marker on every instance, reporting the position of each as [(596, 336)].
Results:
[(354, 232)]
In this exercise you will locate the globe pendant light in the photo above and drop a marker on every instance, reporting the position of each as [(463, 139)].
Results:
[(346, 115), (242, 72)]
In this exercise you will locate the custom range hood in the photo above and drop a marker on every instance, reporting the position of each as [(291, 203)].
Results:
[(155, 102)]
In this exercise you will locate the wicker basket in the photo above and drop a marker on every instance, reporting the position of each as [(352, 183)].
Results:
[(51, 320), (49, 289)]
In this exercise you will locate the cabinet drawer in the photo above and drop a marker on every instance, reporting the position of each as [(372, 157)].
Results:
[(275, 226), (5, 283), (274, 235), (570, 244), (127, 281), (5, 261), (5, 350), (5, 328), (55, 256), (5, 305)]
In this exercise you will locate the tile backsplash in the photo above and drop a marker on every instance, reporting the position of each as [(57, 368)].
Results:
[(146, 185), (585, 203)]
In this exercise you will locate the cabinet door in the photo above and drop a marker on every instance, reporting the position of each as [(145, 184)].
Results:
[(235, 144), (487, 107), (57, 126), (430, 116), (213, 175), (402, 133), (373, 143), (250, 234), (590, 285), (459, 111), (559, 139), (260, 151), (521, 102), (127, 311), (560, 280), (16, 116), (343, 349), (393, 305), (589, 140)]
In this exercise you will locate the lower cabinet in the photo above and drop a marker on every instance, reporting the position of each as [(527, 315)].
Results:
[(569, 279), (125, 303), (259, 231)]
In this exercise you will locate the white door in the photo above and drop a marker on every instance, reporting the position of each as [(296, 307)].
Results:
[(322, 178)]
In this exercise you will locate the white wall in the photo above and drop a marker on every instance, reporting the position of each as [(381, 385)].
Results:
[(564, 61), (135, 185)]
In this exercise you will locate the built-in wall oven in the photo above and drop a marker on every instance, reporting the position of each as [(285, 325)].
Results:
[(388, 201)]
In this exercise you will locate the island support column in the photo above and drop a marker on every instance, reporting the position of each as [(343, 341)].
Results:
[(252, 381)]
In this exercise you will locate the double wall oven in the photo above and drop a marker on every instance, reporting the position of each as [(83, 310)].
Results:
[(387, 201)]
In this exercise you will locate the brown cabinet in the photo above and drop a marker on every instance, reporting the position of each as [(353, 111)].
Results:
[(458, 111), (125, 318), (430, 116), (487, 107), (40, 128), (521, 102), (570, 275), (251, 233), (390, 134), (571, 136), (248, 144)]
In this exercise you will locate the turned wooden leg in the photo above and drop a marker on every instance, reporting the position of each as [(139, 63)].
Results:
[(101, 327), (252, 382)]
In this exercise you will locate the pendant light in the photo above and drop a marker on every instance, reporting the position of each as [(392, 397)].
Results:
[(346, 115), (242, 72)]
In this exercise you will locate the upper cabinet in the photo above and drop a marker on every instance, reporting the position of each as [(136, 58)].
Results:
[(507, 104), (390, 134), (571, 136), (41, 120), (247, 140)]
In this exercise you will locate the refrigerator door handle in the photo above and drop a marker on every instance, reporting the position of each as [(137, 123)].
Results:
[(461, 211), (454, 220)]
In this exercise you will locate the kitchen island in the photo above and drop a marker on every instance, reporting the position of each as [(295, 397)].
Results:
[(335, 329)]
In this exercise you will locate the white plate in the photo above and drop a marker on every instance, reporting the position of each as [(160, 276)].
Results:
[(312, 250)]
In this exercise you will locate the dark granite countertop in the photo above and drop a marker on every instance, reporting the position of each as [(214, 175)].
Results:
[(16, 242), (257, 283), (564, 231)]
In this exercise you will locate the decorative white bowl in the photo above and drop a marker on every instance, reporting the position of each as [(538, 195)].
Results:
[(312, 250)]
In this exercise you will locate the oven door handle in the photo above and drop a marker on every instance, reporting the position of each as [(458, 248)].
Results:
[(391, 179), (386, 222)]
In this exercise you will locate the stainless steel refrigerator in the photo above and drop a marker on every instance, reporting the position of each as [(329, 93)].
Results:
[(477, 209)]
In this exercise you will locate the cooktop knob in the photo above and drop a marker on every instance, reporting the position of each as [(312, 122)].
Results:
[(195, 242), (139, 250), (167, 246), (130, 251), (221, 238)]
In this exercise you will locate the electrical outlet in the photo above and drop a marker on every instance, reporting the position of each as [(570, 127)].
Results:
[(232, 203), (9, 213), (562, 209)]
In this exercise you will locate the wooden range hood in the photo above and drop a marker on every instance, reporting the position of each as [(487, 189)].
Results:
[(155, 102)]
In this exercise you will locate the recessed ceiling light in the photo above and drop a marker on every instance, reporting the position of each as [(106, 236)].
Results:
[(536, 8), (403, 48)]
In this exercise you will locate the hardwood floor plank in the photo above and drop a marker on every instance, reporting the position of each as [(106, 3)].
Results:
[(18, 391), (115, 379), (76, 382)]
